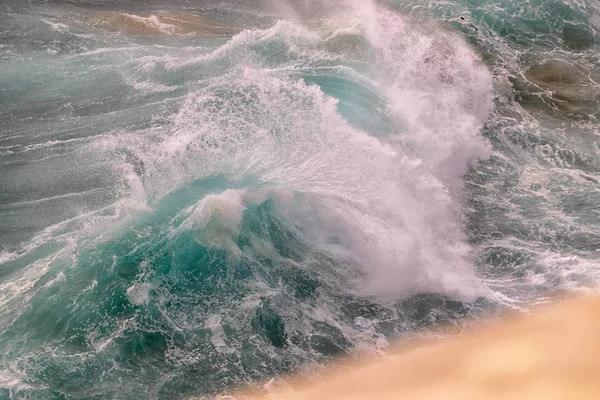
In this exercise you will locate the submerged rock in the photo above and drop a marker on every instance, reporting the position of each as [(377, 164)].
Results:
[(270, 325), (567, 88), (577, 37), (159, 25)]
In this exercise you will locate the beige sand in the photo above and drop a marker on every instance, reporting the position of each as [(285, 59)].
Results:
[(553, 353)]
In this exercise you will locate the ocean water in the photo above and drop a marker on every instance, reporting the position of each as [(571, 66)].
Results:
[(198, 196)]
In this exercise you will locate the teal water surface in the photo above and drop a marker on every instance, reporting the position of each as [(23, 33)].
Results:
[(202, 196)]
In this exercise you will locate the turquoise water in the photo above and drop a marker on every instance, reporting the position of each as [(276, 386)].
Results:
[(198, 197)]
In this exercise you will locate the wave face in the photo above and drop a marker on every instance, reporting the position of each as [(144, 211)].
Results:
[(198, 198)]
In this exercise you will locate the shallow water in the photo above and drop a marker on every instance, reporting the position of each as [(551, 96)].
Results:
[(200, 196)]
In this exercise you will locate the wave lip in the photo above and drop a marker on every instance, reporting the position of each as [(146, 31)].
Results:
[(396, 212)]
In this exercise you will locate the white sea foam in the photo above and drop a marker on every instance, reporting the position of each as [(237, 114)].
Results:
[(12, 380), (7, 256), (213, 323), (139, 293), (437, 85), (393, 214), (60, 278), (57, 26), (568, 272), (390, 205), (154, 22)]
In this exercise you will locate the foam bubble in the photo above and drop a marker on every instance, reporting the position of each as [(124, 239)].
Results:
[(139, 293)]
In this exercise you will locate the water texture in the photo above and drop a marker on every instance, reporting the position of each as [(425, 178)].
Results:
[(198, 196)]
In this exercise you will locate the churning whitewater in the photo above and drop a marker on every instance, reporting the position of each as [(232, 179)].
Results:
[(200, 196)]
